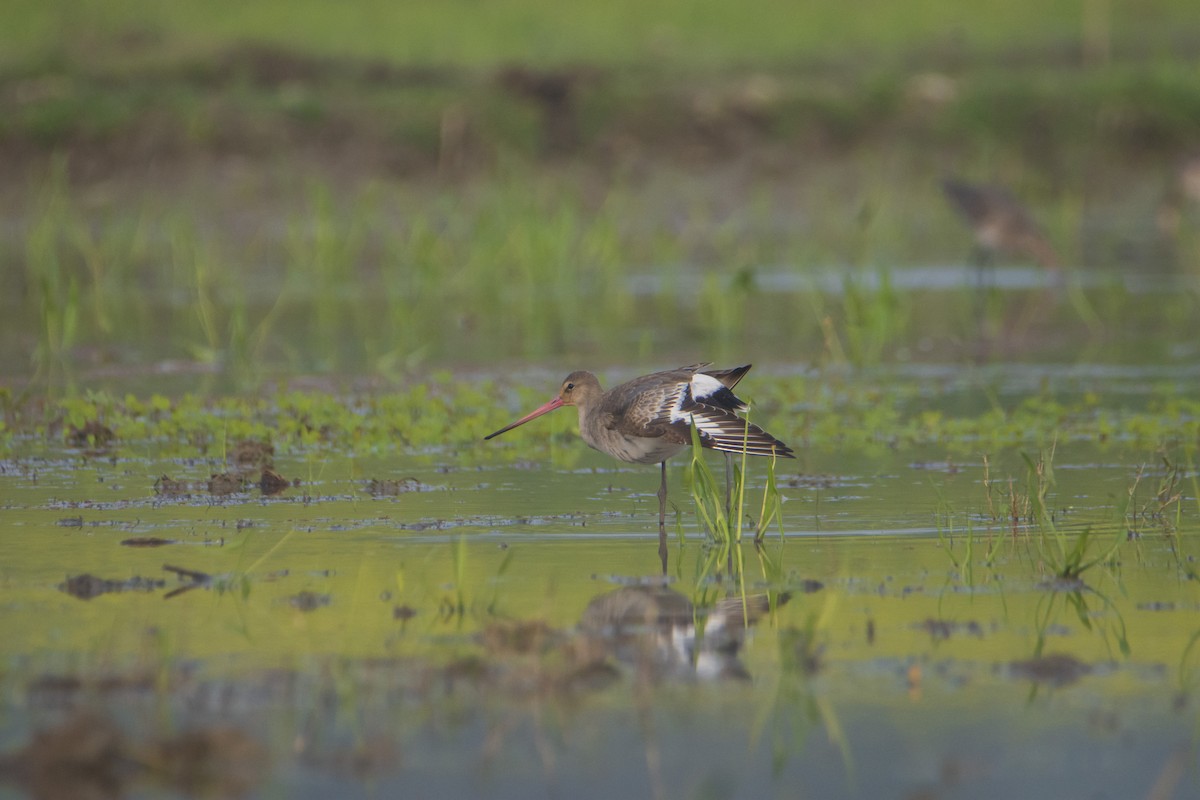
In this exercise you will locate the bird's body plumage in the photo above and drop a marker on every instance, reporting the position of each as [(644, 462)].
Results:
[(649, 419)]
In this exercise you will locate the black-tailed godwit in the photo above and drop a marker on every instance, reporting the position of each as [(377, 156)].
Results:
[(1000, 223), (649, 419)]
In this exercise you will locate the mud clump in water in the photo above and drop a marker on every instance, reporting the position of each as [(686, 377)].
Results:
[(392, 487), (225, 483), (88, 757), (88, 586), (169, 487), (250, 455), (517, 638), (1054, 670), (272, 483), (92, 435), (309, 601), (80, 758), (218, 761), (942, 629)]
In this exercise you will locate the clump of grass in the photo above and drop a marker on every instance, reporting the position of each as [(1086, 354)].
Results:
[(1157, 509), (721, 515), (1065, 555), (53, 287), (964, 565)]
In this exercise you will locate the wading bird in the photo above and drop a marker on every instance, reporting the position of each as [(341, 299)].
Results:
[(649, 419), (1182, 196), (1000, 223)]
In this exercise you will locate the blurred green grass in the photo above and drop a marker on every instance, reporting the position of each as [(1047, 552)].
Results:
[(375, 187), (679, 34)]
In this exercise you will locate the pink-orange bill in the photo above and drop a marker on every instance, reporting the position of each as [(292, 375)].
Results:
[(553, 404)]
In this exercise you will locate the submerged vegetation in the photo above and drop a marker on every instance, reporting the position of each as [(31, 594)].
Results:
[(449, 412)]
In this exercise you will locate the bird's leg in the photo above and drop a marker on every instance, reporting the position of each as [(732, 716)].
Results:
[(662, 499), (662, 519), (983, 280)]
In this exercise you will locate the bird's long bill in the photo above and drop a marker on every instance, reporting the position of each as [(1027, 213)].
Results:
[(553, 404)]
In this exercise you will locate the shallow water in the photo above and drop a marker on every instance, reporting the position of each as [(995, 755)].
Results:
[(504, 629)]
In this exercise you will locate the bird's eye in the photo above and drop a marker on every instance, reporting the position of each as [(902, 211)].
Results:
[(569, 386)]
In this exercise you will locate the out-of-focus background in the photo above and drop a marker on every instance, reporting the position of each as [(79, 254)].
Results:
[(253, 190)]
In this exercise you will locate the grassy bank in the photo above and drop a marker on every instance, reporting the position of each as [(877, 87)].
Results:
[(457, 86), (685, 33)]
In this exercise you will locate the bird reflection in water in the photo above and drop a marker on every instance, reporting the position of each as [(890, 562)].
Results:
[(659, 632)]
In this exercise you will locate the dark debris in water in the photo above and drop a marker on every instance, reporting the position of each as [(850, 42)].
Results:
[(1157, 606), (195, 580), (61, 690), (1057, 669), (1061, 583), (942, 629), (146, 541), (948, 467), (270, 483), (391, 487), (309, 601), (88, 586), (811, 482)]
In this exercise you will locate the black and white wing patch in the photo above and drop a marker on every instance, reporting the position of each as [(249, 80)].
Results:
[(707, 405)]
